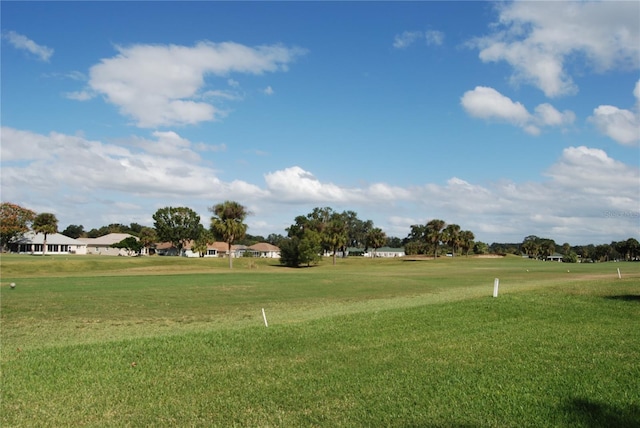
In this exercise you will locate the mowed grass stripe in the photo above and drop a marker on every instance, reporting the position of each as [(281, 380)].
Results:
[(364, 343), (522, 360)]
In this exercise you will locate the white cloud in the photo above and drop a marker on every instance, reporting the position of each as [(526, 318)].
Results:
[(18, 41), (621, 125), (157, 85), (540, 40), (80, 95), (434, 37), (487, 103), (407, 38), (584, 197), (268, 91), (294, 184)]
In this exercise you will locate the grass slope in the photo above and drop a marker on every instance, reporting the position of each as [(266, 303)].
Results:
[(152, 342)]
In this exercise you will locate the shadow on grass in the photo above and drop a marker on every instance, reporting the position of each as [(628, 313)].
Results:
[(626, 297), (592, 414)]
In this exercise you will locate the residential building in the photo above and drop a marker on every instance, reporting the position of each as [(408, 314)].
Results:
[(33, 243)]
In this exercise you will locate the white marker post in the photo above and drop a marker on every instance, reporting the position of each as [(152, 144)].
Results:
[(264, 316), (619, 275), (496, 282)]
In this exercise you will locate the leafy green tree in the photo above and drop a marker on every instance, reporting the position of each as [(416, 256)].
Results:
[(73, 231), (394, 242), (201, 244), (14, 221), (547, 248), (148, 237), (633, 249), (416, 241), (130, 243), (434, 234), (376, 238), (47, 224), (532, 246), (275, 239), (335, 234), (177, 225), (466, 241), (356, 229), (303, 248), (227, 223), (451, 235), (480, 248)]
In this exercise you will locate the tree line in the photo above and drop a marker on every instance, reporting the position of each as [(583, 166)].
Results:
[(322, 231)]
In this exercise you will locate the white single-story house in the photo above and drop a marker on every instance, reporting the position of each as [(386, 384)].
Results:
[(102, 245), (221, 249), (386, 252), (555, 257), (265, 250), (57, 243)]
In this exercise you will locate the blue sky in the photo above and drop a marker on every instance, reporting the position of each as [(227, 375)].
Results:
[(509, 119)]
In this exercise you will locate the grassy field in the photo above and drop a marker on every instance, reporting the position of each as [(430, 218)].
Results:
[(100, 341)]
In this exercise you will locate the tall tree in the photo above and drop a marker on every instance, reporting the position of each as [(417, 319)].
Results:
[(451, 235), (466, 241), (14, 221), (434, 234), (227, 222), (130, 243), (74, 231), (201, 244), (148, 237), (47, 224), (335, 234), (376, 238), (302, 245), (177, 225)]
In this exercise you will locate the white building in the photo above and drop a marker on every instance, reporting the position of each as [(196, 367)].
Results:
[(32, 243), (102, 244)]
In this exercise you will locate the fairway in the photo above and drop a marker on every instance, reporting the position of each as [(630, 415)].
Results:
[(100, 341)]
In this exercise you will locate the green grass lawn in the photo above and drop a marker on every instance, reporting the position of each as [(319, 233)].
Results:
[(99, 341)]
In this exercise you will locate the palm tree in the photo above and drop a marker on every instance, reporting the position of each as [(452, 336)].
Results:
[(451, 235), (335, 234), (45, 223), (227, 223), (434, 234), (466, 239), (375, 239)]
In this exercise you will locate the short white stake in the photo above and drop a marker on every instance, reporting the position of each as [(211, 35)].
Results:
[(264, 316), (619, 276), (496, 282)]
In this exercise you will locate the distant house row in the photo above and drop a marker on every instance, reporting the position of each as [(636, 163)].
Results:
[(33, 243)]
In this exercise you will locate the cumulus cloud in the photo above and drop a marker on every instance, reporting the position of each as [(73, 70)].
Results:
[(407, 38), (487, 103), (159, 85), (618, 124), (268, 91), (167, 165), (586, 196), (539, 39), (18, 41)]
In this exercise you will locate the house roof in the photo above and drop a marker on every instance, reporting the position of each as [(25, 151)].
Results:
[(219, 246), (52, 239), (108, 240), (390, 250), (264, 247)]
